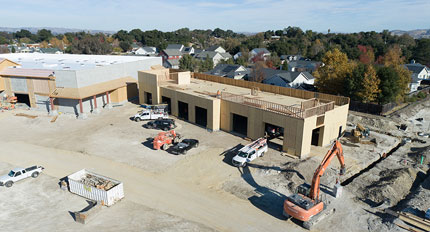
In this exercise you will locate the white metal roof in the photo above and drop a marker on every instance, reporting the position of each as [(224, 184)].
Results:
[(67, 61)]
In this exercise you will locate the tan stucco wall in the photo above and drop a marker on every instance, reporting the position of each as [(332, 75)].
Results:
[(332, 121), (297, 132), (148, 83), (119, 95), (212, 105)]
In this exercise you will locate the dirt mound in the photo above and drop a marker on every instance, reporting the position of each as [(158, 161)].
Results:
[(374, 123), (394, 185)]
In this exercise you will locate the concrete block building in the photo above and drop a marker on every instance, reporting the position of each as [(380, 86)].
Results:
[(76, 84), (217, 103)]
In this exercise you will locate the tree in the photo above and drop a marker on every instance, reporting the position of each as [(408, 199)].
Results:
[(56, 43), (389, 84), (284, 66), (65, 42), (228, 61), (3, 40), (13, 50), (24, 40), (44, 35), (422, 51), (187, 62), (353, 82), (91, 44), (206, 65), (366, 54), (393, 58), (123, 35), (44, 44), (125, 46), (330, 77), (23, 34), (258, 72), (370, 86)]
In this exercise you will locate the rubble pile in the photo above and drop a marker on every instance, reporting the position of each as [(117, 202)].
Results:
[(97, 182)]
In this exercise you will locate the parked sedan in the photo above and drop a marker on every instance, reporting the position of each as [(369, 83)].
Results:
[(184, 146), (162, 124)]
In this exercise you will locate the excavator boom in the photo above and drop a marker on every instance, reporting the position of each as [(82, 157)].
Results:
[(335, 150), (304, 206)]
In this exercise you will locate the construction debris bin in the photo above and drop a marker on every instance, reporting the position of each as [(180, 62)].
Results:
[(96, 187)]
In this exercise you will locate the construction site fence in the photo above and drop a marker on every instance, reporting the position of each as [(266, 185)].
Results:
[(297, 93), (372, 108)]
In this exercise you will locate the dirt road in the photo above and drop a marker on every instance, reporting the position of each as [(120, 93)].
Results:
[(166, 192)]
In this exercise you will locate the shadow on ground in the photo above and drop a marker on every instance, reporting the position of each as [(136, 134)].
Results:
[(230, 153), (269, 201)]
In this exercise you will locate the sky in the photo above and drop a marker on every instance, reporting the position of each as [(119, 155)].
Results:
[(237, 15)]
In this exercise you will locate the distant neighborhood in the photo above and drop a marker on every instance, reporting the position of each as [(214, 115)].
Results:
[(274, 57)]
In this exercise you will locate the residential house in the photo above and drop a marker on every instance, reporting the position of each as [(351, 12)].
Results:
[(419, 72), (216, 57), (260, 51), (217, 48), (178, 47), (50, 51), (254, 52), (229, 70), (197, 51), (292, 57), (188, 50), (303, 65), (284, 78), (290, 79), (169, 55), (172, 63), (145, 51)]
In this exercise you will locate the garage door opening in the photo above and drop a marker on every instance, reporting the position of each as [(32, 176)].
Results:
[(166, 100), (183, 110), (240, 124), (315, 136), (23, 98), (275, 136), (148, 98), (201, 116)]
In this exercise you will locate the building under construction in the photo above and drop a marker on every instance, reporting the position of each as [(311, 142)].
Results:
[(248, 108), (66, 83)]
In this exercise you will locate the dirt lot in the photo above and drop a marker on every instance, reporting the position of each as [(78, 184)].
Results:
[(201, 190), (40, 205)]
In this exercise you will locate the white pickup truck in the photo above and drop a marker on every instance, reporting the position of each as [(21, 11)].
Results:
[(250, 152), (17, 174), (150, 115)]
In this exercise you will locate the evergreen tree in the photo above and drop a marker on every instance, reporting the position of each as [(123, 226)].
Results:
[(370, 86)]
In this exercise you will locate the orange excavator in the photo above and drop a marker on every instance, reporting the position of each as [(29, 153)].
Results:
[(306, 205)]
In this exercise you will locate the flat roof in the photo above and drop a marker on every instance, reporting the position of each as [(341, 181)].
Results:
[(204, 88), (67, 61), (22, 72)]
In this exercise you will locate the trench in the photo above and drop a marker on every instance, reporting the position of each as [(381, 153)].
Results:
[(421, 177), (372, 165)]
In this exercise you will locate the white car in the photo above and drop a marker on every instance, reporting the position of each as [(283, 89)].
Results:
[(150, 115), (17, 174)]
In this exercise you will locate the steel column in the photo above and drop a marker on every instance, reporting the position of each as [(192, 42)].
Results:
[(95, 102), (80, 106), (51, 101)]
